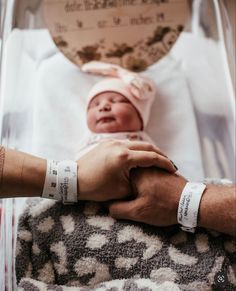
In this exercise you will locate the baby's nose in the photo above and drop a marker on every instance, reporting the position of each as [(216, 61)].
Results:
[(105, 106)]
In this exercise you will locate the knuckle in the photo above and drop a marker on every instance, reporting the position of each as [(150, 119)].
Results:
[(150, 147), (123, 155), (155, 158), (158, 158)]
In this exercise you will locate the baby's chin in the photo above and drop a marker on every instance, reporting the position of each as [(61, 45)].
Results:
[(112, 127), (109, 129)]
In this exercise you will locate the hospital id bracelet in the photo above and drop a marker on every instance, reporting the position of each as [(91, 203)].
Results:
[(50, 184), (189, 204), (67, 181)]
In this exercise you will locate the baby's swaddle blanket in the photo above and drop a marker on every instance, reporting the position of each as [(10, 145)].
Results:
[(80, 245), (92, 139)]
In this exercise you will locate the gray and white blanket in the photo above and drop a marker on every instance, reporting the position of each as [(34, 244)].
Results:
[(80, 247)]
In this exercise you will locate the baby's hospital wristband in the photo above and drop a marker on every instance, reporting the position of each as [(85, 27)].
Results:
[(50, 184), (67, 181), (189, 204)]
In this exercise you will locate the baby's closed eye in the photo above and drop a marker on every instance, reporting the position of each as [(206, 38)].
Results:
[(120, 100), (93, 104)]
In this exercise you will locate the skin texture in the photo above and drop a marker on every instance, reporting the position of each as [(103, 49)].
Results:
[(115, 159), (156, 200), (112, 112), (23, 175)]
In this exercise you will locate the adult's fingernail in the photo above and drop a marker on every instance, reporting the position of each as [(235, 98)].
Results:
[(174, 165)]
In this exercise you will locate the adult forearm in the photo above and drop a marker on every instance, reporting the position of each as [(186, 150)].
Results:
[(218, 209), (22, 175)]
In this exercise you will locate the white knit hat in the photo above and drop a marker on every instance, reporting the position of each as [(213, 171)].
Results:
[(139, 90)]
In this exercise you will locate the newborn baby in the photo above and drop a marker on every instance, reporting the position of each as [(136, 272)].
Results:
[(111, 112), (117, 107)]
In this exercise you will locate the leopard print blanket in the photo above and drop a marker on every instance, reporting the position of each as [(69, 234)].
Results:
[(80, 247)]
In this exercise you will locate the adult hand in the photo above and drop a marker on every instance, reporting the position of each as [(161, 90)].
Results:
[(104, 172), (157, 197)]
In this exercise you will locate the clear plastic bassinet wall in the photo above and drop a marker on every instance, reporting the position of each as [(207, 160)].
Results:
[(41, 113)]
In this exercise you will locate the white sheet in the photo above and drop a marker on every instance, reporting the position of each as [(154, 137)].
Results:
[(207, 74)]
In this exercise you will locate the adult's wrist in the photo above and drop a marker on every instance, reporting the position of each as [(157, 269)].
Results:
[(22, 175), (217, 209), (210, 207), (33, 175)]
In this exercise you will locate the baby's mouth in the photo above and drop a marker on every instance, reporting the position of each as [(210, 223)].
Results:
[(106, 119)]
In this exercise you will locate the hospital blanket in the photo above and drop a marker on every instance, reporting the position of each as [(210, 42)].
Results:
[(80, 247)]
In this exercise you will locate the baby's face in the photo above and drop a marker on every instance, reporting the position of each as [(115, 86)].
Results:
[(112, 112)]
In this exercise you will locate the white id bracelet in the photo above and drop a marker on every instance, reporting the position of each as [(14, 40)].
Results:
[(50, 184), (189, 204), (67, 181)]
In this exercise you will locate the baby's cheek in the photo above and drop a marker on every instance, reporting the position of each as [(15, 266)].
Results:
[(131, 121), (91, 122)]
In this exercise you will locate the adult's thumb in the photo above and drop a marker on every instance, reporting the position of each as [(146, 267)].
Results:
[(123, 209)]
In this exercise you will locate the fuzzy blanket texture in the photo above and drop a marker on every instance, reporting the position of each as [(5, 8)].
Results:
[(80, 247)]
